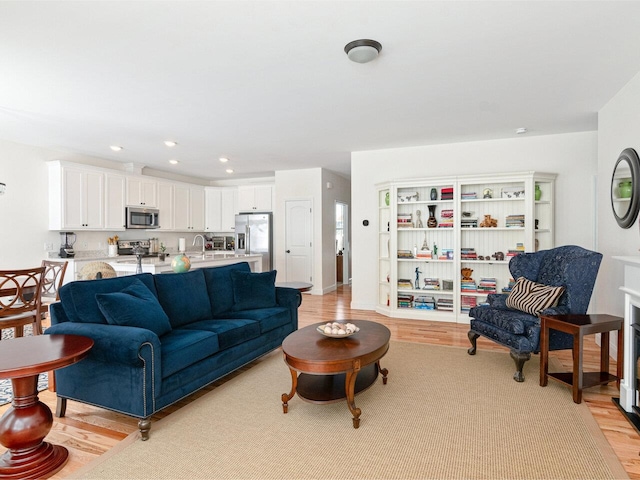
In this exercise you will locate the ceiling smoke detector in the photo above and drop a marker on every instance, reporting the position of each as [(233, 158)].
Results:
[(363, 50)]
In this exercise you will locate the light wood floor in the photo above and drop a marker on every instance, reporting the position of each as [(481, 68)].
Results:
[(88, 432)]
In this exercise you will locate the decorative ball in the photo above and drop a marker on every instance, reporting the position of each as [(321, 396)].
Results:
[(180, 263)]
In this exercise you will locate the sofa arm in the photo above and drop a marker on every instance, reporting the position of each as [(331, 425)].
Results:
[(115, 343), (498, 300), (288, 297)]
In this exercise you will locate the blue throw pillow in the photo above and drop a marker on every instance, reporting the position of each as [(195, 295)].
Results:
[(183, 296), (135, 306), (253, 290)]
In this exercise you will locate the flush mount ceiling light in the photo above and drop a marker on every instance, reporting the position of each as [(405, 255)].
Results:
[(170, 143), (223, 159), (363, 50), (229, 170), (521, 130), (174, 162), (115, 148)]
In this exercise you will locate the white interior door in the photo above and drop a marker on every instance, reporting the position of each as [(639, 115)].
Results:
[(298, 254)]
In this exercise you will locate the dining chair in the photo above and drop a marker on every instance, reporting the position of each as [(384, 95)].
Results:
[(20, 299), (51, 282)]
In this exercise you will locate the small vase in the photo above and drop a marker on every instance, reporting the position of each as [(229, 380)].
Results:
[(432, 222), (386, 199), (434, 194), (625, 189), (538, 193)]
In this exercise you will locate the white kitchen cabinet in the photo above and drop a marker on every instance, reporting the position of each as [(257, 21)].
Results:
[(220, 209), (76, 198), (141, 191), (165, 205), (114, 205), (188, 208), (255, 198)]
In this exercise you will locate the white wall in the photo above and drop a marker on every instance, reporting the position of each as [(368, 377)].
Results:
[(618, 128), (310, 184), (572, 156)]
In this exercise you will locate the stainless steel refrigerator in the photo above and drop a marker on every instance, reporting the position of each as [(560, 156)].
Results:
[(254, 235)]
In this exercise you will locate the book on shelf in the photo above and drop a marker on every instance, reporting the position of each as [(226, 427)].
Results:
[(431, 284), (467, 303), (468, 195), (405, 301), (514, 221), (446, 193), (424, 303), (405, 254), (487, 285), (405, 283), (445, 304)]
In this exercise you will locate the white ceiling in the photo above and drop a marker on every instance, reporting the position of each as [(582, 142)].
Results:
[(268, 84)]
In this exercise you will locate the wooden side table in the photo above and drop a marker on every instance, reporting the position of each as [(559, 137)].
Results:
[(579, 326)]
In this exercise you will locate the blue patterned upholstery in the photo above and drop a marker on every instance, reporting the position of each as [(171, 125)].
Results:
[(572, 267)]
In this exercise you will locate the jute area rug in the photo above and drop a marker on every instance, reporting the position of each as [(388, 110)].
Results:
[(443, 414)]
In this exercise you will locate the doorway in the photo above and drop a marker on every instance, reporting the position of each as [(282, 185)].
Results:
[(342, 243)]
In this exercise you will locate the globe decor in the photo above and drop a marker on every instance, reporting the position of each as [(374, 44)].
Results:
[(180, 263)]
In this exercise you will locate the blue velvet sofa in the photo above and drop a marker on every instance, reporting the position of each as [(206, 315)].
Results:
[(571, 267), (159, 338)]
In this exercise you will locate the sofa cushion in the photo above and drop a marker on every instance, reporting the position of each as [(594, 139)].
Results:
[(512, 321), (183, 296), (230, 332), (134, 306), (182, 347), (532, 297), (269, 318), (253, 290), (219, 286), (79, 298)]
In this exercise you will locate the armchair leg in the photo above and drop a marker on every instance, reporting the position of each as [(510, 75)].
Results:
[(519, 358), (473, 336), (61, 407), (144, 425)]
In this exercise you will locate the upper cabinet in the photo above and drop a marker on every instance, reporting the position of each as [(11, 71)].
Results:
[(165, 204), (220, 209), (255, 198), (76, 198), (188, 208), (114, 205), (141, 191)]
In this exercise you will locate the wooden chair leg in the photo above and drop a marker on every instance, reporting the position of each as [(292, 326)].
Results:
[(51, 377), (61, 407), (519, 358)]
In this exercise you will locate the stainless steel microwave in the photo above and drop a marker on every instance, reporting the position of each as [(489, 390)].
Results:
[(142, 217)]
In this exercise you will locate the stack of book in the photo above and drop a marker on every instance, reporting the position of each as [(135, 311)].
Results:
[(405, 301), (446, 219), (515, 221), (405, 284), (468, 285), (512, 252), (467, 303), (487, 285), (468, 221), (405, 220), (468, 195), (431, 284), (424, 254), (468, 254), (445, 304), (446, 193), (424, 303), (446, 254), (405, 254), (508, 288)]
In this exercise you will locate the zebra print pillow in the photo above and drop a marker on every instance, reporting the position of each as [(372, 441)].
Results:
[(532, 297)]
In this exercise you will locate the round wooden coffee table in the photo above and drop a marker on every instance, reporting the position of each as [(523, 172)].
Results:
[(28, 421), (325, 369)]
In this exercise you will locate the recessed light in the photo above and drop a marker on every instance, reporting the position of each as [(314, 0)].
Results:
[(169, 143), (115, 148), (174, 162), (229, 170), (223, 159), (521, 130)]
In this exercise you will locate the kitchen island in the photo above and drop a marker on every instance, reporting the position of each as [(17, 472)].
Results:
[(126, 264)]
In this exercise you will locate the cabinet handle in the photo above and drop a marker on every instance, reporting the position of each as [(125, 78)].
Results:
[(288, 251)]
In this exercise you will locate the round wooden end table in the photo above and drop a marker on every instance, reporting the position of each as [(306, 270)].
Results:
[(325, 369), (28, 421)]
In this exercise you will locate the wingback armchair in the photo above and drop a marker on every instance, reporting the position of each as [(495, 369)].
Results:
[(571, 267)]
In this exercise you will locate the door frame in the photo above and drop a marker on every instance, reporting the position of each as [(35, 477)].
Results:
[(346, 251)]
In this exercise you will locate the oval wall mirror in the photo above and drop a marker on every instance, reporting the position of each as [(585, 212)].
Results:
[(625, 188)]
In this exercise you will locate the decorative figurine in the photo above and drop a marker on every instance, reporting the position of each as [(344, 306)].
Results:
[(418, 272), (434, 194), (425, 246), (435, 250), (418, 220)]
